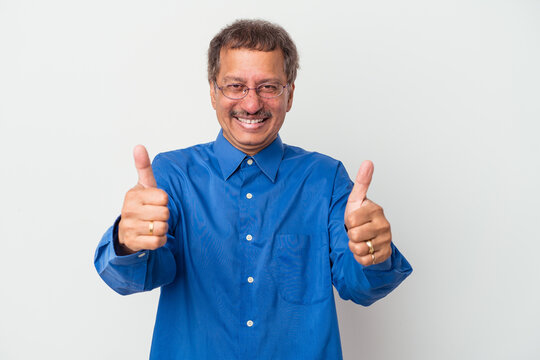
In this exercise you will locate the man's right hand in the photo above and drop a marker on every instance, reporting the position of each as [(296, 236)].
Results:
[(143, 225)]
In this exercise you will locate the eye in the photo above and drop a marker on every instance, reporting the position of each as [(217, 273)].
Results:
[(235, 87), (268, 87)]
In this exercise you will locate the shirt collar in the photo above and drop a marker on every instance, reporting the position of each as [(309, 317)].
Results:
[(230, 158)]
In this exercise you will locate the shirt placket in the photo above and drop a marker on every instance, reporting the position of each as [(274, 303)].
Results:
[(247, 236)]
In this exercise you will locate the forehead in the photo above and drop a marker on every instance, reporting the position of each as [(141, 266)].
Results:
[(255, 65)]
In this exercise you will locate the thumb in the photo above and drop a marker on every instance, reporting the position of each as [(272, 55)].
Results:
[(144, 167), (361, 185)]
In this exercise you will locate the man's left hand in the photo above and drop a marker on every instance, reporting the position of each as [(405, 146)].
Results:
[(369, 231)]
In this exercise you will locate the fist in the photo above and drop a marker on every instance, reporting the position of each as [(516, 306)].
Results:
[(369, 232), (143, 224)]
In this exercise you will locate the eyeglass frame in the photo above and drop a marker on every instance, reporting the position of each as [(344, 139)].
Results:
[(255, 88)]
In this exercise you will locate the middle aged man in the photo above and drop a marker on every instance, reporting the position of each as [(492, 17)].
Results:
[(246, 235)]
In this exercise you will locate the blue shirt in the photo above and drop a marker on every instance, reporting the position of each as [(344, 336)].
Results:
[(254, 247)]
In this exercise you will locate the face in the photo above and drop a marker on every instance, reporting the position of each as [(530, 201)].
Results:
[(252, 123)]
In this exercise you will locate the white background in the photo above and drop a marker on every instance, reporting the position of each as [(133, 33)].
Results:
[(443, 96)]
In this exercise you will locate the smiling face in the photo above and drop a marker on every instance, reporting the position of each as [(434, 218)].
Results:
[(252, 123)]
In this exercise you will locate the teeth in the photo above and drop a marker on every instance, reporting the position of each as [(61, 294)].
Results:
[(247, 121)]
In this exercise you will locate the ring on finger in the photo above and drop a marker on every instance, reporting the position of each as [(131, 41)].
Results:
[(370, 246), (372, 259), (151, 227)]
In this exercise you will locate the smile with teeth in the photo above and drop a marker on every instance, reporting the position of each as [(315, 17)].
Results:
[(248, 121)]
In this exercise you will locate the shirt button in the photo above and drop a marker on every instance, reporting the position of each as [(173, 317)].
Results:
[(249, 195), (250, 161), (141, 254), (250, 279), (249, 323), (249, 237)]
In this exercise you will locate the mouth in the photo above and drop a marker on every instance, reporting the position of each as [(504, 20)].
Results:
[(250, 121)]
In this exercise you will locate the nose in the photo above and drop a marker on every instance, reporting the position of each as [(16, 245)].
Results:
[(252, 102)]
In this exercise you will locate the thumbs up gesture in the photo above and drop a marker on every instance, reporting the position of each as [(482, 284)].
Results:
[(367, 227), (143, 224)]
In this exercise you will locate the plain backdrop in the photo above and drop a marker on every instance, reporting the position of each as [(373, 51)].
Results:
[(443, 96)]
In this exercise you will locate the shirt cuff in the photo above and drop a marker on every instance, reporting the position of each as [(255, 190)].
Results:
[(116, 246)]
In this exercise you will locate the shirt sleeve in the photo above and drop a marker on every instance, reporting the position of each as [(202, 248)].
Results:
[(143, 270), (362, 284)]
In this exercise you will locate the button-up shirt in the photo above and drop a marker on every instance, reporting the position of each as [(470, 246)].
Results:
[(255, 244)]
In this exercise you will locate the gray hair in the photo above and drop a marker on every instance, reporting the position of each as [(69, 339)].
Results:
[(258, 35)]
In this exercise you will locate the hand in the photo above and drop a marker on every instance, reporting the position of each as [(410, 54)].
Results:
[(365, 221), (143, 224)]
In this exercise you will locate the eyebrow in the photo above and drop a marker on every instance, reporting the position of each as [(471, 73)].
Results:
[(234, 78)]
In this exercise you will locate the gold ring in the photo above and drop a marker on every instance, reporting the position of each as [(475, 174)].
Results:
[(151, 227), (372, 259), (370, 246)]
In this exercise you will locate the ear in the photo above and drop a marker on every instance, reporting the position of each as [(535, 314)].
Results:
[(290, 96), (213, 94)]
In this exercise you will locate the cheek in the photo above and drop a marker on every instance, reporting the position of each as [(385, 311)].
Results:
[(277, 107), (281, 109), (223, 107)]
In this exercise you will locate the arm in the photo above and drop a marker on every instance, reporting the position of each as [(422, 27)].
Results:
[(363, 284), (140, 271), (136, 253)]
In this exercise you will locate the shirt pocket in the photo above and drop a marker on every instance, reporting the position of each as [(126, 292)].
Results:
[(302, 268)]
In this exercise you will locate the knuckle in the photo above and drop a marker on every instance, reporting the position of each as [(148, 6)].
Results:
[(350, 220), (166, 213), (353, 233), (159, 241), (153, 243), (355, 248), (162, 229), (381, 224), (385, 234), (128, 213), (163, 197), (132, 194), (129, 194), (364, 262), (376, 210), (159, 196)]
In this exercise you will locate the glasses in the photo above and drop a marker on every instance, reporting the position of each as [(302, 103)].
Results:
[(240, 91)]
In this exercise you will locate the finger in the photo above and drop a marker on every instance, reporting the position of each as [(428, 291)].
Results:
[(368, 212), (139, 195), (144, 167), (159, 228), (154, 196), (377, 258), (131, 216), (361, 185), (153, 213), (363, 232), (359, 248), (150, 242), (368, 259)]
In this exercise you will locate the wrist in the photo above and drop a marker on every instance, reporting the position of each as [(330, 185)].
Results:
[(119, 248)]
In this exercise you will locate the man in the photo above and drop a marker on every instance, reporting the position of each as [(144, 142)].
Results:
[(246, 235)]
